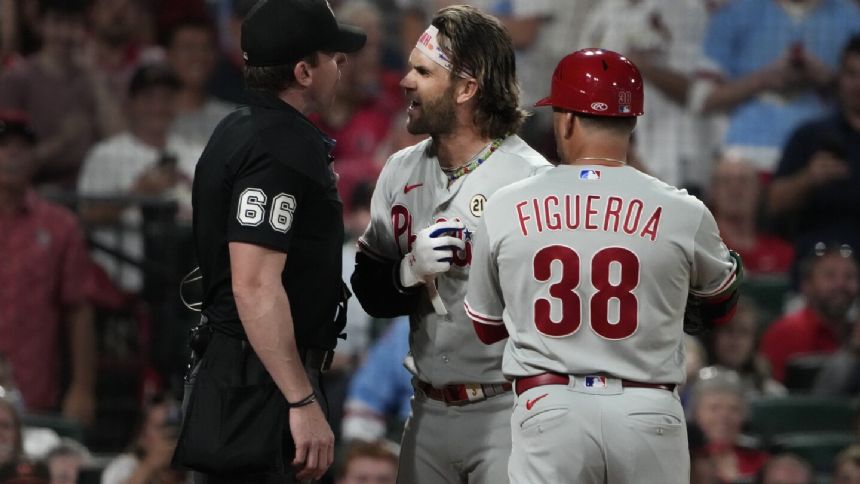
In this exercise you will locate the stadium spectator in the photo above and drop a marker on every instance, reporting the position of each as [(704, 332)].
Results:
[(381, 388), (664, 40), (367, 98), (358, 323), (771, 63), (787, 469), (846, 469), (733, 346), (121, 33), (368, 463), (829, 284), (815, 185), (702, 467), (18, 30), (840, 373), (24, 473), (735, 197), (149, 458), (542, 32), (719, 409), (11, 438), (65, 462), (191, 52), (45, 276), (66, 100), (147, 160), (227, 82)]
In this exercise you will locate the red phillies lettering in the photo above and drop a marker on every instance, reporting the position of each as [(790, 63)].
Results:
[(589, 211), (523, 217), (553, 219), (631, 221), (610, 214), (401, 221), (613, 210)]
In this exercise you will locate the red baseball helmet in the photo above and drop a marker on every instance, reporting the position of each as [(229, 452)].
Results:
[(598, 82)]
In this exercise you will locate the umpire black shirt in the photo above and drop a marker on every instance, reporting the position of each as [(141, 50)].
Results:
[(265, 179)]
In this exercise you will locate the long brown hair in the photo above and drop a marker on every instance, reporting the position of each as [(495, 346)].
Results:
[(478, 44)]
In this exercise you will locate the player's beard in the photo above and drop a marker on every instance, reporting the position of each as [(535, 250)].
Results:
[(437, 116)]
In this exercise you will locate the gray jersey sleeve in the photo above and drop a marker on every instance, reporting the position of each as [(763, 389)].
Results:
[(484, 302), (378, 240), (713, 271)]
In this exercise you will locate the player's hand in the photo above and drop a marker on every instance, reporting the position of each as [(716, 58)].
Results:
[(825, 167), (314, 441), (431, 253)]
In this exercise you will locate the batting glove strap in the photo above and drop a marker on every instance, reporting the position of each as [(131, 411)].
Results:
[(431, 253)]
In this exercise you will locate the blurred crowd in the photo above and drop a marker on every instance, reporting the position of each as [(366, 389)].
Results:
[(105, 106)]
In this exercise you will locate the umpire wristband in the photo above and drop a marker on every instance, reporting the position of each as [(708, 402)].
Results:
[(303, 402)]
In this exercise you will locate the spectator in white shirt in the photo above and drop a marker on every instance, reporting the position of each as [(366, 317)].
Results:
[(191, 52), (145, 161)]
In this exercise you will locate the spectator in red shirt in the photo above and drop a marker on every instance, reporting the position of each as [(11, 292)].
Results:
[(735, 196), (44, 276), (719, 409), (368, 97), (65, 99), (829, 284)]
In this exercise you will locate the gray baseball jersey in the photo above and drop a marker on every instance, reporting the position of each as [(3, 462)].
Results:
[(589, 268), (413, 193)]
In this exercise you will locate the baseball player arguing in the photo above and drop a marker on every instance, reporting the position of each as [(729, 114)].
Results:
[(415, 255), (588, 267)]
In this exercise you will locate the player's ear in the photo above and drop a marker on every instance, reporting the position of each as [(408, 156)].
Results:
[(467, 89), (568, 124)]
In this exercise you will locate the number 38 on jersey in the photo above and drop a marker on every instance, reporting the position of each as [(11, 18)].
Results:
[(614, 275)]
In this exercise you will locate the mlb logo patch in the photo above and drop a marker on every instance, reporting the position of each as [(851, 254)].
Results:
[(595, 382), (589, 174), (625, 109)]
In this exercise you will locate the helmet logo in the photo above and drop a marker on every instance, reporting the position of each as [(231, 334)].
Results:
[(624, 100), (599, 106)]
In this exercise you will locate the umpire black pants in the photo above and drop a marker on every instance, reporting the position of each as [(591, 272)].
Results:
[(288, 477)]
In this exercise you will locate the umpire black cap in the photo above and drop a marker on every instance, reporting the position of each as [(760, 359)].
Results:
[(278, 32)]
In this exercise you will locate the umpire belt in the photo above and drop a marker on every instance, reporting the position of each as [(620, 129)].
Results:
[(524, 384), (463, 394), (315, 359)]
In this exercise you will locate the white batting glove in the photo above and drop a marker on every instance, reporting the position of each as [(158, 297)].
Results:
[(431, 253)]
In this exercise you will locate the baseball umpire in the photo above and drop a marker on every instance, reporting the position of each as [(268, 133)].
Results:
[(414, 257), (263, 189), (588, 267)]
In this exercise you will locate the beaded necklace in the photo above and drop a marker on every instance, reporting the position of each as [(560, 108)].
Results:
[(474, 163)]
